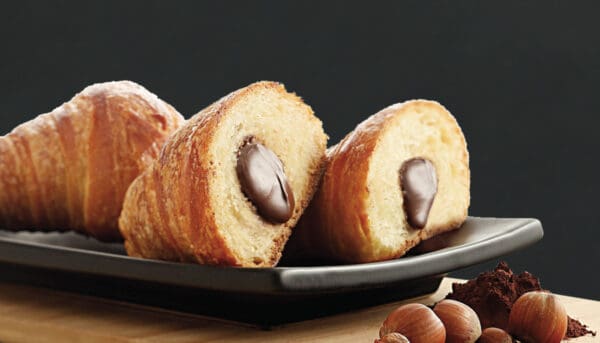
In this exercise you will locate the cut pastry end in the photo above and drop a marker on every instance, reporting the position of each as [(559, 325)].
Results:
[(400, 177), (230, 184), (267, 116), (426, 131)]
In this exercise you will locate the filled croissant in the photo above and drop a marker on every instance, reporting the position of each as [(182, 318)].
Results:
[(69, 169), (230, 184), (400, 177)]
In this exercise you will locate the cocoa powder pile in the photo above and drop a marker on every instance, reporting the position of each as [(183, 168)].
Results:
[(493, 293)]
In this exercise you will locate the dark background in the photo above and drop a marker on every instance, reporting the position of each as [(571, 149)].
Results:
[(521, 77)]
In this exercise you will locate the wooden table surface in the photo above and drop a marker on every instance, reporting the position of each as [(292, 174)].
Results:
[(29, 314)]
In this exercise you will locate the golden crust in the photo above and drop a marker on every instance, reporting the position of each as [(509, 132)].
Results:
[(339, 203), (168, 212), (337, 224), (69, 169)]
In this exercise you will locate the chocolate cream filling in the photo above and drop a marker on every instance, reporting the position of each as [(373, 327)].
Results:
[(418, 182), (264, 182)]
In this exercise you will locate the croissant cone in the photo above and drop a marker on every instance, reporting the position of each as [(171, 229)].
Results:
[(402, 176), (230, 184), (69, 169)]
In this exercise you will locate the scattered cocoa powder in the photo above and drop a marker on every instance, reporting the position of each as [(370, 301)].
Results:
[(577, 329), (493, 293)]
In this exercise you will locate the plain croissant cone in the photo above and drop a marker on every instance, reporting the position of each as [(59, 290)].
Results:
[(69, 169)]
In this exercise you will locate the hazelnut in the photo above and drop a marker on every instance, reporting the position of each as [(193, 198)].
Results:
[(538, 317), (461, 322), (494, 335), (393, 337), (416, 322)]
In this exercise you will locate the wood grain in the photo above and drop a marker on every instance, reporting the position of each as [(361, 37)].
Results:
[(30, 314)]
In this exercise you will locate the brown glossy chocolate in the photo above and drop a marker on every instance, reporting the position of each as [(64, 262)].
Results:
[(264, 182), (418, 182)]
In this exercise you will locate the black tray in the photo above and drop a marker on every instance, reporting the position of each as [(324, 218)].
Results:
[(264, 297)]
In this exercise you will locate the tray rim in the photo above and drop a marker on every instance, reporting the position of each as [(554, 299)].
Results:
[(525, 231)]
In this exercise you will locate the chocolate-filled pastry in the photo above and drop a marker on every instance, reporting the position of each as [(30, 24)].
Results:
[(69, 169), (400, 177), (230, 184)]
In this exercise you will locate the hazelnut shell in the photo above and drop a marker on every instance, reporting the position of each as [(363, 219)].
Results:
[(461, 322), (416, 322), (495, 335), (538, 317)]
